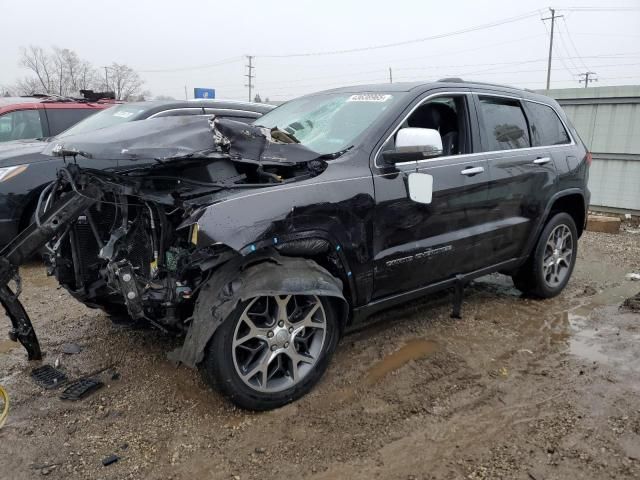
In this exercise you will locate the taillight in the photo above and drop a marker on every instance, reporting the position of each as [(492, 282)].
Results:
[(588, 159)]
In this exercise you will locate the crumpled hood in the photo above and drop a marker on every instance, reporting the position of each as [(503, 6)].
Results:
[(159, 138), (19, 152), (260, 144), (187, 136)]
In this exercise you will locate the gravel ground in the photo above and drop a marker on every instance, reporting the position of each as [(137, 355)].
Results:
[(516, 389)]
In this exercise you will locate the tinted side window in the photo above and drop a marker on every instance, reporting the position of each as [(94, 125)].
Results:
[(503, 124), (62, 118), (20, 124), (546, 127)]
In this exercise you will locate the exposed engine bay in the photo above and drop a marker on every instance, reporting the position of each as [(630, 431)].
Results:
[(124, 239)]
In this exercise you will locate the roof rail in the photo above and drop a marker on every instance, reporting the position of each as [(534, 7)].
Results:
[(451, 80)]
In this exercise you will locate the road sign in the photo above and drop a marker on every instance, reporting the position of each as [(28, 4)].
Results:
[(204, 93)]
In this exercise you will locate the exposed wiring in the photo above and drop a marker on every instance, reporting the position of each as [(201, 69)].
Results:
[(5, 410)]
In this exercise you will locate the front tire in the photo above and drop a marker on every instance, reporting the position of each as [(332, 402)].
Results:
[(548, 269), (272, 349)]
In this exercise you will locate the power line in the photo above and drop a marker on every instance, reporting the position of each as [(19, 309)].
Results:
[(196, 67), (566, 29), (408, 42), (600, 9)]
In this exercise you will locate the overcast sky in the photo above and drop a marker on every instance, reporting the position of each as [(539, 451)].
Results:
[(160, 35)]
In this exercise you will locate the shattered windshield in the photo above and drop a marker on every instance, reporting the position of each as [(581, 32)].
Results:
[(328, 123)]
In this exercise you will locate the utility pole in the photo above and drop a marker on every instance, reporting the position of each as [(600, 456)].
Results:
[(553, 23), (586, 78), (185, 93), (390, 75), (250, 75)]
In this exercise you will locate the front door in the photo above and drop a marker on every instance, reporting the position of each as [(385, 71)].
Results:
[(418, 244)]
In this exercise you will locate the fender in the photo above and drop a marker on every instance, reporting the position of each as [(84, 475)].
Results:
[(242, 278), (533, 239)]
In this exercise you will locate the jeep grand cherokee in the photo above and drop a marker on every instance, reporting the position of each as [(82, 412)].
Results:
[(261, 244)]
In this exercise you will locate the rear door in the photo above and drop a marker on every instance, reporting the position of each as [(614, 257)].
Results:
[(419, 244), (522, 176)]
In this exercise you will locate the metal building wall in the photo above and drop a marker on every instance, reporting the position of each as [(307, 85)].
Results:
[(608, 120)]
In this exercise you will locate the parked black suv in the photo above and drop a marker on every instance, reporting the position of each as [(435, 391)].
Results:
[(262, 243)]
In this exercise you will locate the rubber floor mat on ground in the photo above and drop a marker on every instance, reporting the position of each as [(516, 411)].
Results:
[(80, 389), (48, 377)]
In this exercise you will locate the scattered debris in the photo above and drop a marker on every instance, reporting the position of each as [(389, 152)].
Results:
[(80, 389), (632, 276), (71, 348), (632, 303), (110, 460), (48, 377), (5, 407)]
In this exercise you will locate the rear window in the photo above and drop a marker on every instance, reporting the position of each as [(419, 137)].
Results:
[(503, 124), (546, 127), (105, 118)]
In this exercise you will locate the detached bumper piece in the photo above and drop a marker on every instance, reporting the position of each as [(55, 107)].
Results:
[(80, 389), (64, 212), (48, 377)]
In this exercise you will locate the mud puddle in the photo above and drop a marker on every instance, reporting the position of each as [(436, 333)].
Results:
[(7, 345), (413, 350), (593, 342)]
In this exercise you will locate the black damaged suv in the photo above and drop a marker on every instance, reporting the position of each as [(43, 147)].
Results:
[(261, 244)]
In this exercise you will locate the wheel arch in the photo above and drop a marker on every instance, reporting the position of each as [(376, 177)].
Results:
[(571, 201), (574, 205), (241, 278)]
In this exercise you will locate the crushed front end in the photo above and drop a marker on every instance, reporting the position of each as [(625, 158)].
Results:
[(125, 239)]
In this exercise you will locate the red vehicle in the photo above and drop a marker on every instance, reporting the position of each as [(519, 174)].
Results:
[(23, 118)]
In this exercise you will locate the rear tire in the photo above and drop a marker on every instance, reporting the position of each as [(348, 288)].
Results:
[(287, 340), (549, 268)]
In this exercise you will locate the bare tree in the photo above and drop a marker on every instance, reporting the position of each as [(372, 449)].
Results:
[(36, 59), (123, 81), (62, 72)]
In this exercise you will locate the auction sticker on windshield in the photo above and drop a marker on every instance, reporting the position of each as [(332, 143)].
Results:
[(369, 97), (123, 114)]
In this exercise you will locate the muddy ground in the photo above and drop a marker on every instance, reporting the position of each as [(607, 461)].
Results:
[(518, 388)]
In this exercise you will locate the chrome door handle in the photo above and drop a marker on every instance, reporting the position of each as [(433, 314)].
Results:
[(469, 171), (542, 161)]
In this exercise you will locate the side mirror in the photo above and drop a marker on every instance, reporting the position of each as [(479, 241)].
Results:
[(414, 144)]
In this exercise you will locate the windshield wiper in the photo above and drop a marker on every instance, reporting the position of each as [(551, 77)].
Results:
[(283, 135), (333, 156)]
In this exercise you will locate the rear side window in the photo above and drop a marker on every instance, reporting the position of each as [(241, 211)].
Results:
[(546, 127), (62, 118), (19, 125), (503, 124)]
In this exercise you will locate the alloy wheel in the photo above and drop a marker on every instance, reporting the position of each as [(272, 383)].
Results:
[(556, 263), (278, 340)]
